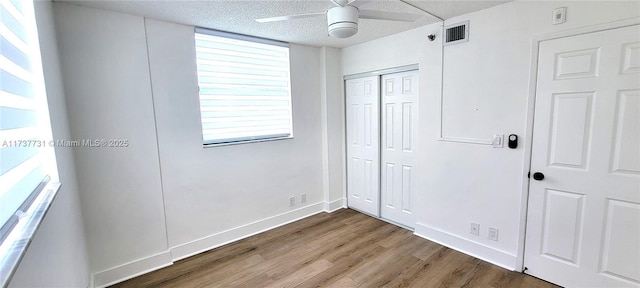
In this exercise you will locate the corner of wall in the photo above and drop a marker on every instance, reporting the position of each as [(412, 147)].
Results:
[(335, 205), (332, 109), (324, 122)]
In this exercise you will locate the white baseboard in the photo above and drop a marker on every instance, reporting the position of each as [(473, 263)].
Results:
[(132, 269), (335, 205), (164, 259), (238, 233), (477, 250)]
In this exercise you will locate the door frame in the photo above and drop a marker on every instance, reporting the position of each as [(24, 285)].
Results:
[(531, 99)]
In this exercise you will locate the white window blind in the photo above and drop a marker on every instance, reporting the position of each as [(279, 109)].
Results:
[(244, 83), (26, 158)]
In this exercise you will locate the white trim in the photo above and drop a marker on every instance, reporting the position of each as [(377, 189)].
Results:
[(441, 136), (245, 142), (589, 29), (475, 249), (242, 37), (533, 73), (335, 205), (132, 269), (381, 72), (216, 240), (27, 220), (462, 139), (344, 144), (148, 264)]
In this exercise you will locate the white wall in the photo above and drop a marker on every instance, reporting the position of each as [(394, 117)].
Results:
[(332, 128), (212, 190), (408, 48), (57, 256), (107, 83), (486, 86), (165, 197)]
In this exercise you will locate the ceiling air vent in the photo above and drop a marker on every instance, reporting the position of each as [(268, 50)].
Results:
[(456, 33)]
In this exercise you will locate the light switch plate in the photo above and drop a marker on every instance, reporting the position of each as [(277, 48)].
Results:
[(498, 141), (559, 15)]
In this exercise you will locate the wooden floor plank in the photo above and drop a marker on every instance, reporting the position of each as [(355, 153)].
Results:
[(341, 249), (302, 274)]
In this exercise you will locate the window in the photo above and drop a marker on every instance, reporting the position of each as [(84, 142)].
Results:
[(244, 83), (27, 162)]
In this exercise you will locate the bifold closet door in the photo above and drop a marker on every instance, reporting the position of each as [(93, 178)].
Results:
[(399, 124), (363, 149)]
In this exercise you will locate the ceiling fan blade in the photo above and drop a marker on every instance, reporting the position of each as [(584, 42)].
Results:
[(391, 16), (359, 3), (289, 17), (339, 3)]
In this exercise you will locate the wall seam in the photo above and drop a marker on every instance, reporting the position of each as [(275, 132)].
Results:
[(324, 126), (155, 126)]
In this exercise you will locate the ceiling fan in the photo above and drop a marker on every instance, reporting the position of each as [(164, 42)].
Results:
[(342, 20)]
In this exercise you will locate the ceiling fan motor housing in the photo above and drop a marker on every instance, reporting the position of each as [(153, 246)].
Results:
[(343, 21)]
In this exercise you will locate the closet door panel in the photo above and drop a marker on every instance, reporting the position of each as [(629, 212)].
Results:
[(363, 144), (399, 123)]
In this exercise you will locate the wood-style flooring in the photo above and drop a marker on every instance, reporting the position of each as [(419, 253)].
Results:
[(340, 249)]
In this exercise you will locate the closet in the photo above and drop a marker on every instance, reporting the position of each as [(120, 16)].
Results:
[(381, 122)]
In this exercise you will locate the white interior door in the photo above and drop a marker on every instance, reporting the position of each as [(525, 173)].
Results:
[(583, 224), (363, 148), (399, 123)]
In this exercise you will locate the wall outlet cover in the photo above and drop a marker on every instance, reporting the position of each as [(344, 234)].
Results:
[(493, 234), (475, 229)]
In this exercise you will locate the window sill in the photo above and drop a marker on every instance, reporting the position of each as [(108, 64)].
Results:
[(15, 245), (245, 142)]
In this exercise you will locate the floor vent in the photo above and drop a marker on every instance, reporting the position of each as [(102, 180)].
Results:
[(456, 33)]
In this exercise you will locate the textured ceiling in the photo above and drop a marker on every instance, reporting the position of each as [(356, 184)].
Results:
[(238, 16)]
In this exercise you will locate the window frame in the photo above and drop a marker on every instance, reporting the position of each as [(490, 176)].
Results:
[(19, 229), (246, 139)]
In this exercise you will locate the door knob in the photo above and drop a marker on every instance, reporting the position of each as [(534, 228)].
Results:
[(538, 176)]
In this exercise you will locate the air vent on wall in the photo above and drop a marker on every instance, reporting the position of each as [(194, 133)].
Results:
[(456, 33)]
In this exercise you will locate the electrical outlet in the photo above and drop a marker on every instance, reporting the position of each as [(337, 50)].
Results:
[(493, 234), (292, 201), (303, 198), (559, 15), (475, 229)]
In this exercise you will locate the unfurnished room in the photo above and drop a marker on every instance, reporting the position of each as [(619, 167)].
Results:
[(319, 143)]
